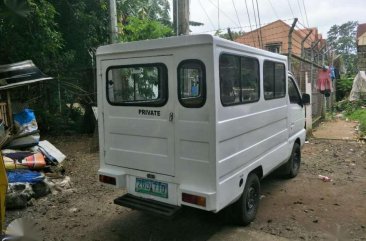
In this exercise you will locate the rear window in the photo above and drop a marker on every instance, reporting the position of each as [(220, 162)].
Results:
[(274, 80), (140, 85), (192, 83)]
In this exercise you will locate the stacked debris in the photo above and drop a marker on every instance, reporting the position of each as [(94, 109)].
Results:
[(29, 162)]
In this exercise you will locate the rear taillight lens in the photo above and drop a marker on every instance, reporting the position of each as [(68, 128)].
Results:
[(198, 200), (107, 179)]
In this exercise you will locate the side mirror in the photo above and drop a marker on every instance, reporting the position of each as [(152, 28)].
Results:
[(306, 99)]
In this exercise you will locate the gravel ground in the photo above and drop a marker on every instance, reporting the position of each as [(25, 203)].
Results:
[(304, 208)]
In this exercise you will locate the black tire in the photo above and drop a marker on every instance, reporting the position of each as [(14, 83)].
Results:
[(245, 209), (293, 164)]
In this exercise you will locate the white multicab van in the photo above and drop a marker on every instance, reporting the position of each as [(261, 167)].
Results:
[(197, 121)]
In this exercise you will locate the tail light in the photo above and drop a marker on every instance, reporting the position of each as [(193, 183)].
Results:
[(193, 199), (107, 179)]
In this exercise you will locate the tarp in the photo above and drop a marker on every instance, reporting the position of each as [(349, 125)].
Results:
[(359, 87), (21, 73)]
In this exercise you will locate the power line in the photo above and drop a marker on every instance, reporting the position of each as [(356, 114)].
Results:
[(259, 20), (250, 24), (227, 16), (204, 10), (256, 25), (274, 10), (246, 26), (236, 12), (306, 15), (289, 4), (298, 4)]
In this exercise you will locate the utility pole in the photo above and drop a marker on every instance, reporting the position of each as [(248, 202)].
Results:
[(181, 16), (113, 21)]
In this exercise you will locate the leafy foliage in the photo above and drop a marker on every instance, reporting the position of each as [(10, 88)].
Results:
[(354, 110), (35, 36), (342, 38), (140, 29), (61, 37), (227, 35), (344, 87)]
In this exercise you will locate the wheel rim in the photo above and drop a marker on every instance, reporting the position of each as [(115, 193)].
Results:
[(296, 160), (252, 197)]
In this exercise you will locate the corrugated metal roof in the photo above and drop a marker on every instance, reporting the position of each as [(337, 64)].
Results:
[(19, 74)]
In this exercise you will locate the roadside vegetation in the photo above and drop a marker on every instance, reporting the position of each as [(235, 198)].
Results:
[(354, 110)]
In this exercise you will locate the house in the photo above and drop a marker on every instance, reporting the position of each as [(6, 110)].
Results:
[(361, 46), (275, 39)]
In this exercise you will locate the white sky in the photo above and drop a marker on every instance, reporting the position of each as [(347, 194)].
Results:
[(320, 13)]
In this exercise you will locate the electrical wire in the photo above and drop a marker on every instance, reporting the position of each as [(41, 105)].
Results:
[(289, 4), (259, 20), (246, 26), (250, 24), (274, 10), (208, 17), (298, 4), (227, 16), (236, 12), (256, 25), (306, 15)]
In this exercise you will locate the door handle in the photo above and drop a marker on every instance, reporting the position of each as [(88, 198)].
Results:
[(171, 116)]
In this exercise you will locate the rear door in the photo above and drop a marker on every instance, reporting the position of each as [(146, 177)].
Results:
[(138, 112)]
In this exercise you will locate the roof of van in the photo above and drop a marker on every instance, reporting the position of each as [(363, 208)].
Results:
[(179, 41)]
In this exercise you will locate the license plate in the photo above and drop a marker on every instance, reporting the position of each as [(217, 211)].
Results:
[(159, 189)]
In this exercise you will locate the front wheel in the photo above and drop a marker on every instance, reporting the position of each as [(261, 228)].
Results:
[(245, 209)]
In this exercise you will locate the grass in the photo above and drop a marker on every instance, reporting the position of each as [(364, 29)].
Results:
[(359, 115)]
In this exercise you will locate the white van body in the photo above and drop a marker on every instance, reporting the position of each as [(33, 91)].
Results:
[(206, 151)]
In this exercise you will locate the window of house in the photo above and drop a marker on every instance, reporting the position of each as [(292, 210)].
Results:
[(275, 47), (141, 85), (192, 83), (293, 93), (274, 80), (239, 79)]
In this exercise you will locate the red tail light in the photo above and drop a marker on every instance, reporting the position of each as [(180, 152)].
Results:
[(108, 180), (198, 200)]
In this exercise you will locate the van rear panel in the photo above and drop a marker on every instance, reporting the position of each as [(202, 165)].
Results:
[(162, 147)]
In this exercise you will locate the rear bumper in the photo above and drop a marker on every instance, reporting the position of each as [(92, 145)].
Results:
[(126, 179), (148, 205)]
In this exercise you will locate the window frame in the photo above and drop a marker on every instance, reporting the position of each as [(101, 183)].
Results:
[(293, 82), (240, 80), (162, 76), (274, 80), (190, 102)]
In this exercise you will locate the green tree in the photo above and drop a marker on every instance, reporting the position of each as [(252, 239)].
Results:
[(140, 29), (342, 38), (32, 35)]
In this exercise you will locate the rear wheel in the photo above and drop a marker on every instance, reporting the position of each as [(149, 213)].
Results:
[(245, 209), (293, 164)]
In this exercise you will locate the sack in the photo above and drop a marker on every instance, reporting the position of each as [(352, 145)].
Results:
[(25, 121)]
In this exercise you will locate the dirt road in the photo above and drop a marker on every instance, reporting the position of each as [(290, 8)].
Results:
[(304, 208)]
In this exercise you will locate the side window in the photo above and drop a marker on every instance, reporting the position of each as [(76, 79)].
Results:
[(192, 83), (249, 79), (239, 79), (293, 93), (274, 80), (138, 85)]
